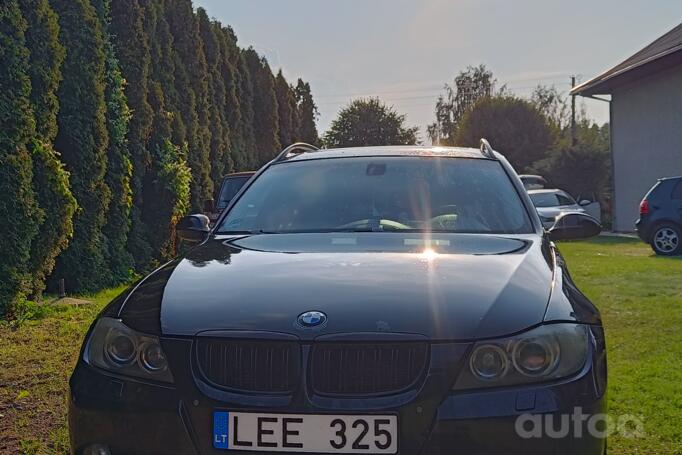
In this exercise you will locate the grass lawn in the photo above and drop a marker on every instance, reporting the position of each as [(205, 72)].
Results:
[(35, 363), (640, 297)]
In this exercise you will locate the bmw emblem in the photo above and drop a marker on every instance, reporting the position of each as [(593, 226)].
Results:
[(312, 319)]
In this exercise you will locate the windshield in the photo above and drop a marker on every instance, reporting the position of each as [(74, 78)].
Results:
[(551, 199), (230, 189), (380, 194)]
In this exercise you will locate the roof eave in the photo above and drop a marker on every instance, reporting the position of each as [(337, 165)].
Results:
[(602, 85)]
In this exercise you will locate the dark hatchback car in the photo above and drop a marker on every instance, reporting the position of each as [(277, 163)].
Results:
[(660, 217), (230, 187), (388, 300)]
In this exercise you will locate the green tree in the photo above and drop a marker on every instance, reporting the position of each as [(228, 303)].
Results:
[(288, 114), (167, 184), (469, 86), (512, 124), (266, 117), (306, 113), (163, 61), (82, 142), (230, 57), (119, 165), (245, 93), (50, 179), (46, 58), (584, 168), (192, 86), (367, 122), (553, 105), (221, 161), (17, 199), (131, 45)]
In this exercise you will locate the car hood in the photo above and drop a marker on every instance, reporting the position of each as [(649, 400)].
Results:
[(453, 287)]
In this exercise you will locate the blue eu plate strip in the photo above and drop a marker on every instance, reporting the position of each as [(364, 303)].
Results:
[(220, 421)]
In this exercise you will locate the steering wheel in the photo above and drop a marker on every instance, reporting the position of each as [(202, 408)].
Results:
[(390, 225), (446, 209), (446, 220)]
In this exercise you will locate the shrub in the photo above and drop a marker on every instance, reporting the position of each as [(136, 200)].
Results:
[(18, 207)]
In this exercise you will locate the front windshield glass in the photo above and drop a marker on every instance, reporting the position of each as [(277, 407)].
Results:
[(376, 194), (551, 199)]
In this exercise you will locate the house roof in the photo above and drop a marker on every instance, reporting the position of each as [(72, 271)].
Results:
[(664, 52)]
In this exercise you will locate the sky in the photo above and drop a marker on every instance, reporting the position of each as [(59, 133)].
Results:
[(404, 51)]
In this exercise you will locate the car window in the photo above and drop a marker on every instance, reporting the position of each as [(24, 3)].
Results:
[(544, 199), (677, 191), (230, 189), (551, 199), (381, 194), (565, 199)]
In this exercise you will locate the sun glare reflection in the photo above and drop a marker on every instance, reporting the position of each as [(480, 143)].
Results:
[(429, 254)]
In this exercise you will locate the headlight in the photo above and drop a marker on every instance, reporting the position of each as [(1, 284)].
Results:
[(546, 353), (116, 347)]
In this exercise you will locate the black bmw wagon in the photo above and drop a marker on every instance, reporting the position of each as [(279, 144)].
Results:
[(384, 300)]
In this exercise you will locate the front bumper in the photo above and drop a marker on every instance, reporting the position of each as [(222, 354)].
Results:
[(132, 417)]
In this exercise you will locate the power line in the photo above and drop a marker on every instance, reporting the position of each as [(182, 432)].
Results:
[(431, 87), (340, 100)]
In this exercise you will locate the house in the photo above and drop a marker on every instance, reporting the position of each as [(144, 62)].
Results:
[(646, 121)]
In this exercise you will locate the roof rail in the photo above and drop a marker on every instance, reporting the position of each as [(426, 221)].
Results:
[(298, 148), (487, 150)]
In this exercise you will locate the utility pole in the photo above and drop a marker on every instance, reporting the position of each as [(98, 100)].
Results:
[(573, 138)]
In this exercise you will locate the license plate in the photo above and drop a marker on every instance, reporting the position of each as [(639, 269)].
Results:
[(305, 433)]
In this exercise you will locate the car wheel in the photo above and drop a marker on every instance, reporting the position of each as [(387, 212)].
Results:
[(667, 240)]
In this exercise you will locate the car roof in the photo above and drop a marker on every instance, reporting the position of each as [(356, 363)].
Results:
[(547, 191), (240, 174), (399, 150)]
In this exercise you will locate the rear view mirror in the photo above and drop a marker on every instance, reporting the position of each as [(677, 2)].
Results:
[(585, 202), (574, 226), (193, 228)]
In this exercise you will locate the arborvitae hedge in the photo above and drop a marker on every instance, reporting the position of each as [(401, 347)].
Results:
[(266, 118), (230, 57), (82, 141), (307, 114), (46, 58), (167, 184), (50, 179), (246, 106), (132, 49), (18, 208), (190, 79), (221, 161), (165, 197), (115, 124), (119, 166), (288, 114)]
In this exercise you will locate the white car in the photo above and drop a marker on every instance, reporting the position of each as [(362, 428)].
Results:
[(552, 203), (533, 182)]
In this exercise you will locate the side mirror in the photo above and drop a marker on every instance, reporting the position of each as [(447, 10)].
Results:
[(193, 228), (574, 226), (209, 206), (584, 202)]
